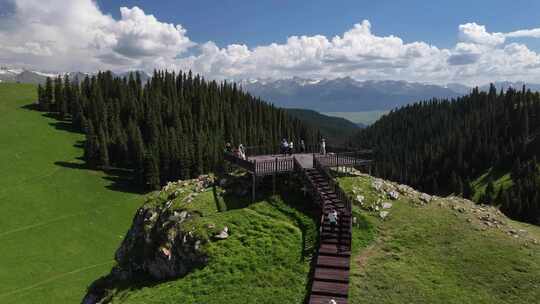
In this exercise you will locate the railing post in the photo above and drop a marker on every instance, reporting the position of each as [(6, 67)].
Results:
[(274, 177)]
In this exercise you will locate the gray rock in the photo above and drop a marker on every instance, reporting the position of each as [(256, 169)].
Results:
[(383, 214), (393, 195), (387, 205), (223, 234), (426, 198)]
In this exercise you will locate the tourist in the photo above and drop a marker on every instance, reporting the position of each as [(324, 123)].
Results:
[(291, 148), (333, 218), (284, 146), (241, 151), (228, 147), (332, 301), (302, 146), (323, 146)]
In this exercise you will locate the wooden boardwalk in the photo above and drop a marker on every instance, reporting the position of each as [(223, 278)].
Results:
[(332, 260), (331, 274)]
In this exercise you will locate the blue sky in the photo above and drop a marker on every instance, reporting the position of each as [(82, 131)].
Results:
[(266, 21), (470, 42)]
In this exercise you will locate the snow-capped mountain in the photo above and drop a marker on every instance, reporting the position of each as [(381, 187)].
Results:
[(346, 94), (39, 77)]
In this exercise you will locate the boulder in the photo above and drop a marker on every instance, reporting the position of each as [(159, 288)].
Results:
[(393, 195), (426, 198), (377, 185), (383, 214), (386, 205), (223, 234)]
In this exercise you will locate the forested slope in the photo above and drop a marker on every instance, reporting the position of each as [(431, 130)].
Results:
[(174, 126), (441, 145), (335, 130)]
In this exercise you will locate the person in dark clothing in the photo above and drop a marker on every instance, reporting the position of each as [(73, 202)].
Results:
[(302, 146)]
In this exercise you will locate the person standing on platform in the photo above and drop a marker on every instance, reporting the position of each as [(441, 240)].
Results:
[(242, 152), (228, 148), (291, 148), (284, 146), (302, 146), (323, 147)]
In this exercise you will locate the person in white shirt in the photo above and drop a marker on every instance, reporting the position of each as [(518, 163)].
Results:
[(291, 148), (284, 146), (333, 218), (323, 147), (242, 151)]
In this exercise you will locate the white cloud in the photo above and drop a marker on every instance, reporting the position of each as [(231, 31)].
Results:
[(474, 33), (77, 35)]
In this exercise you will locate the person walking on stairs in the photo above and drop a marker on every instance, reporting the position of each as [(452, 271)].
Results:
[(333, 218)]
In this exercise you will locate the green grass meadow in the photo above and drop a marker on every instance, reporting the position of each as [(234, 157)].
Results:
[(432, 254), (263, 261), (60, 223)]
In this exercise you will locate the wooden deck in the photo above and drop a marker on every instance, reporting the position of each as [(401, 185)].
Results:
[(261, 165)]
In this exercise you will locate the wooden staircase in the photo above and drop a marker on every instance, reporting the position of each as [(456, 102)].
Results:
[(331, 274)]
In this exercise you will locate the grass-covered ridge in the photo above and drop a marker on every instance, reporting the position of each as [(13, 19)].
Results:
[(445, 251), (60, 222), (265, 259)]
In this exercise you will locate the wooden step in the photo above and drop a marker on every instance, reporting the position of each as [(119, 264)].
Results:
[(345, 243), (320, 299), (336, 234), (331, 274), (333, 261), (333, 249), (330, 288)]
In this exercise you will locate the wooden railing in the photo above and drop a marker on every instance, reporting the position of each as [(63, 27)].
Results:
[(335, 187), (250, 166), (277, 165), (342, 159)]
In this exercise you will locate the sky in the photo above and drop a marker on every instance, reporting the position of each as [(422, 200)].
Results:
[(469, 42)]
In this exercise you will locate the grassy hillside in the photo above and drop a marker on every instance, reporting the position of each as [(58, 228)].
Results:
[(444, 251), (60, 222), (335, 129), (264, 260), (500, 180)]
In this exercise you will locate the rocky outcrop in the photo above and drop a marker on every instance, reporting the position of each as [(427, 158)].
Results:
[(158, 246), (484, 217)]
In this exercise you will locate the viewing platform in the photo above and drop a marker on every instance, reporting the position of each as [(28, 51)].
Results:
[(262, 165), (329, 280)]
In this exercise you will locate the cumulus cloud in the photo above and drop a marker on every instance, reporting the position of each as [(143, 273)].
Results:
[(474, 33), (76, 35)]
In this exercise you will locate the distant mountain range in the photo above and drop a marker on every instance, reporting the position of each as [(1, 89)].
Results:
[(347, 94), (326, 95), (35, 77)]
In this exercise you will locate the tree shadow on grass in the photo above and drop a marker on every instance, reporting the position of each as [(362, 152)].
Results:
[(120, 179)]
